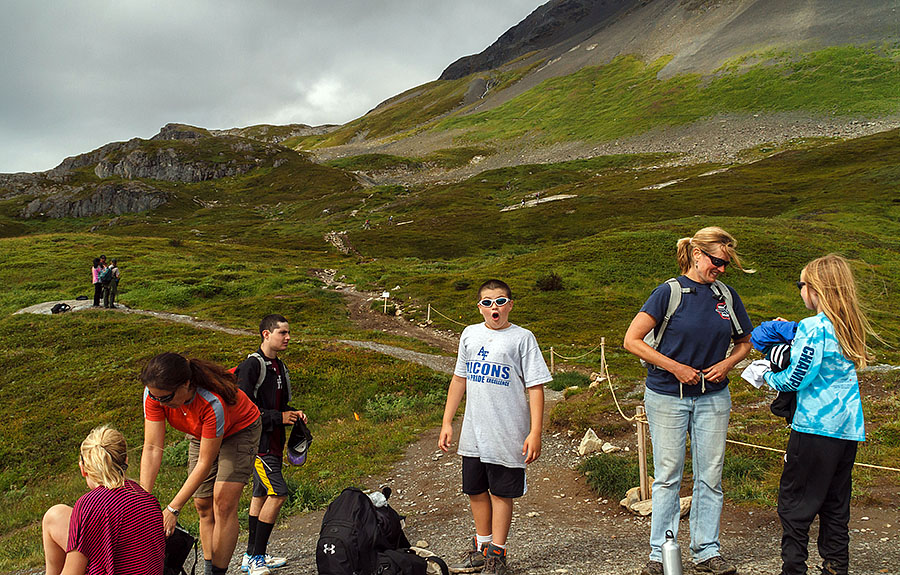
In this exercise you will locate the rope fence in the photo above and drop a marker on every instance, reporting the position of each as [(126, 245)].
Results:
[(640, 419), (640, 416)]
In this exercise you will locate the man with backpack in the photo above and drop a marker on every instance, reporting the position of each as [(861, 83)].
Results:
[(265, 380), (109, 278)]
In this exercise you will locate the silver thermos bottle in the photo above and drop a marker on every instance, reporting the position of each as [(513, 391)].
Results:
[(671, 555)]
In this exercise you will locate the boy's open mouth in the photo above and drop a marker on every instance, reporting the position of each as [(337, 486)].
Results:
[(495, 315)]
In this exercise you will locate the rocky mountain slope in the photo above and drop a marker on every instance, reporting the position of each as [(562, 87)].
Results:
[(124, 177)]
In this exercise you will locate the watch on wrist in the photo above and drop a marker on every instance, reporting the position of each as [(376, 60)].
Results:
[(173, 511)]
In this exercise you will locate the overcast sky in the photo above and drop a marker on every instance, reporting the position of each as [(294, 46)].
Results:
[(77, 74)]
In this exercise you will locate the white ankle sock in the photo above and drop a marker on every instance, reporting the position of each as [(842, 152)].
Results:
[(483, 540)]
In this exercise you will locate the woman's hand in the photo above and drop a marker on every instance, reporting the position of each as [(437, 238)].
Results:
[(685, 374), (169, 521), (717, 372)]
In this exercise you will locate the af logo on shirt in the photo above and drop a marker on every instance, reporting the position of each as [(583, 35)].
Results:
[(483, 353)]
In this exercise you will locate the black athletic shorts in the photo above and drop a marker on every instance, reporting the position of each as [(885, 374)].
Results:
[(267, 477), (478, 477)]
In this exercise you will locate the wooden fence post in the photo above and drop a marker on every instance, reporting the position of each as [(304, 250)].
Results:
[(428, 317), (642, 452), (552, 363)]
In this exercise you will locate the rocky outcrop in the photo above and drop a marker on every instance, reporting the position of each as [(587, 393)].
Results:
[(169, 165), (551, 23), (107, 199)]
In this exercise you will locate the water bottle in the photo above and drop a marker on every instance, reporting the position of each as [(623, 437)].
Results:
[(671, 555)]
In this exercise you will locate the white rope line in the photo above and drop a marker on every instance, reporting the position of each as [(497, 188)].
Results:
[(556, 353), (604, 368), (855, 463), (449, 318)]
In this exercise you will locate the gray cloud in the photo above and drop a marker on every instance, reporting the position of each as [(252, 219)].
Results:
[(80, 73)]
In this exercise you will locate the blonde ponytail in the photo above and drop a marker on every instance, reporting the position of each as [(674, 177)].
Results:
[(104, 457)]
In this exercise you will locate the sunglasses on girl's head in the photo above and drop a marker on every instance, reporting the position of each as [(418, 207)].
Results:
[(500, 301), (800, 285), (162, 399), (717, 262)]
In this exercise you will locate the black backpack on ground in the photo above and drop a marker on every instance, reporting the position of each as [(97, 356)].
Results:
[(406, 562), (60, 308), (346, 543), (390, 526)]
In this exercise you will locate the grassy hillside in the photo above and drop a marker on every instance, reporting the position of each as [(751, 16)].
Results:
[(625, 97), (247, 249)]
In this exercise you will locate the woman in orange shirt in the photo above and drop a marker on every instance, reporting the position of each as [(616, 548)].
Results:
[(201, 399)]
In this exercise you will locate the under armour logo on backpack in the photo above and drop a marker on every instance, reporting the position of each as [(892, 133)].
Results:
[(483, 353), (328, 548)]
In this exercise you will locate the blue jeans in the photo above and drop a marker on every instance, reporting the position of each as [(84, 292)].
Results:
[(705, 419)]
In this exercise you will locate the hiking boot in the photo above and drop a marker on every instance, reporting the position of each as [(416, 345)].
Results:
[(652, 568), (716, 565), (257, 565), (472, 560), (829, 568), (495, 560)]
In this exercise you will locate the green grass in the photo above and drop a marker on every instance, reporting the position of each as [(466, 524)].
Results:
[(625, 97), (610, 475)]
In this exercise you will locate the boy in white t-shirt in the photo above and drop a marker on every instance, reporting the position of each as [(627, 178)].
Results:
[(498, 362)]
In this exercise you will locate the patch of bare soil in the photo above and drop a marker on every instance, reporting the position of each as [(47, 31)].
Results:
[(363, 317)]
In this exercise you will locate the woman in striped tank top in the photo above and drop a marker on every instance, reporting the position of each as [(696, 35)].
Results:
[(115, 528)]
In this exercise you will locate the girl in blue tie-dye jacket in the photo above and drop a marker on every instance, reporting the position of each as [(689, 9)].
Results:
[(828, 423)]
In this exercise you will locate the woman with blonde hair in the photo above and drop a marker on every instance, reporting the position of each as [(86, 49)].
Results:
[(203, 400), (687, 390), (828, 423), (116, 528)]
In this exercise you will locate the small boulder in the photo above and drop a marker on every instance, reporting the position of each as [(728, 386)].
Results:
[(590, 443)]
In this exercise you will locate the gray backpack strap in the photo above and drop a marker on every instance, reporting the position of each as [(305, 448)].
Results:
[(723, 293), (262, 371), (654, 336)]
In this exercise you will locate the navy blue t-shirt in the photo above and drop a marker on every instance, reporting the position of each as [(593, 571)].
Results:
[(698, 333)]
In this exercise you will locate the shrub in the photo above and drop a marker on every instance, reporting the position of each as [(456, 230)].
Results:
[(175, 243), (566, 379), (551, 282), (610, 475), (462, 285)]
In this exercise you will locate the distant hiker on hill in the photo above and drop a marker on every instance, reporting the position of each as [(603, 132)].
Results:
[(201, 399), (265, 380), (116, 527), (687, 389), (110, 280), (497, 364), (95, 280)]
